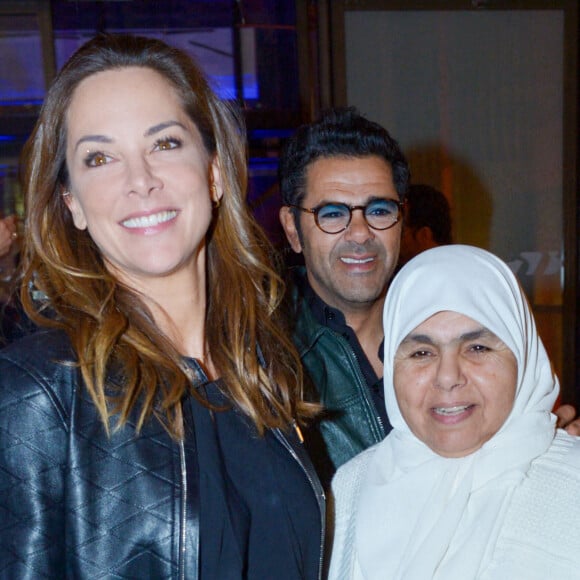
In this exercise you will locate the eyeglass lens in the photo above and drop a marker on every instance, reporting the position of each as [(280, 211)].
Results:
[(379, 214)]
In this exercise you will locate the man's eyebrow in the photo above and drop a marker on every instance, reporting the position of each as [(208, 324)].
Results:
[(368, 200), (162, 126)]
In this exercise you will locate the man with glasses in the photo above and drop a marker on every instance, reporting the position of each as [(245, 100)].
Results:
[(343, 181)]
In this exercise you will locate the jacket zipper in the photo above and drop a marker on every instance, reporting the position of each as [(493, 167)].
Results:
[(318, 491), (183, 509)]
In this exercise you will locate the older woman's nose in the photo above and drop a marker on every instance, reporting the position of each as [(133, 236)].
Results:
[(449, 373)]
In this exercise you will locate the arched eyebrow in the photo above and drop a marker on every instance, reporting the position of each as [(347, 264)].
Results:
[(93, 139), (162, 126)]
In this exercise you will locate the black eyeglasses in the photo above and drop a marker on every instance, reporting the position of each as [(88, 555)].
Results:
[(333, 218)]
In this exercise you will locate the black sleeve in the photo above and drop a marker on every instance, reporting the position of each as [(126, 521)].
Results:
[(33, 449)]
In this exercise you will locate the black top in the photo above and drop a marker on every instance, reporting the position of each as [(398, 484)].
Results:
[(259, 517)]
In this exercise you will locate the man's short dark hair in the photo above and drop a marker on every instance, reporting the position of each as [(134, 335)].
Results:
[(340, 132), (427, 206)]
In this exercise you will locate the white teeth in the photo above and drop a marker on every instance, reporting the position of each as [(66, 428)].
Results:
[(451, 410), (355, 261), (148, 221)]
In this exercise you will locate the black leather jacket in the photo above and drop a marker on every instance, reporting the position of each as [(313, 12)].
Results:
[(75, 503)]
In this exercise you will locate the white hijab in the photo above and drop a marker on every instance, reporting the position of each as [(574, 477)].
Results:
[(423, 516)]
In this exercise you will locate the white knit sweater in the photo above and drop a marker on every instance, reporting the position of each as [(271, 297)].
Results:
[(540, 537)]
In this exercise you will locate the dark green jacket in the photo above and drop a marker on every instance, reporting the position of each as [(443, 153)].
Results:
[(350, 422)]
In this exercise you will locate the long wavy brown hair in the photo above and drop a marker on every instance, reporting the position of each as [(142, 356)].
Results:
[(108, 323)]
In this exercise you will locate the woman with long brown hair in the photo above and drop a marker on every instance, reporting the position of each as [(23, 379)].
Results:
[(150, 430)]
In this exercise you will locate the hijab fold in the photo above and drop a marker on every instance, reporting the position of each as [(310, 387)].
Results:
[(422, 515)]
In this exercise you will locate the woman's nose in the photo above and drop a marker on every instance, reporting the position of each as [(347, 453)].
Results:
[(141, 178), (449, 372)]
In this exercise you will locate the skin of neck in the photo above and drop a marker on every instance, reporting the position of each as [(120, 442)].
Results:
[(181, 316), (178, 304)]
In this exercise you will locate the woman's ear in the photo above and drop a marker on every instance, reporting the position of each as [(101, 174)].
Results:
[(216, 183), (76, 210)]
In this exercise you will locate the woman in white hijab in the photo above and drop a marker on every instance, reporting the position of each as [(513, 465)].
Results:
[(473, 481)]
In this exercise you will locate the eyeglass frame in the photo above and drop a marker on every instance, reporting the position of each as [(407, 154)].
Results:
[(314, 211)]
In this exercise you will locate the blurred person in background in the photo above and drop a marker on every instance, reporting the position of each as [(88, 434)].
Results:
[(427, 221)]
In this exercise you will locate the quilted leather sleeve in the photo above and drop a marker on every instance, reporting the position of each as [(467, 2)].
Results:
[(33, 447), (74, 501)]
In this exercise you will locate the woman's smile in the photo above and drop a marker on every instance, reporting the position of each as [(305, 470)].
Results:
[(150, 221)]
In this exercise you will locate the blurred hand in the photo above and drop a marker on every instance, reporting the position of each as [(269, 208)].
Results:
[(8, 234), (567, 419)]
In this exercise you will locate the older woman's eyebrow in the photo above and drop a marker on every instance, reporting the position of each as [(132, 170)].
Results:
[(422, 338), (476, 334)]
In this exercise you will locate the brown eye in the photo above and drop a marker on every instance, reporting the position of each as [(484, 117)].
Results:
[(96, 159), (479, 348), (420, 354), (167, 144)]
